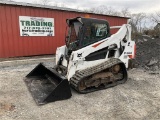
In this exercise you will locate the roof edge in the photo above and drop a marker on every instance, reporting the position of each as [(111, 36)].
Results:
[(53, 8)]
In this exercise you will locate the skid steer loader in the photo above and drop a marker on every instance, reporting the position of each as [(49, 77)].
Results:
[(91, 60)]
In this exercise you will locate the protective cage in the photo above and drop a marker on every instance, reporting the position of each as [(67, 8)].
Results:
[(47, 85)]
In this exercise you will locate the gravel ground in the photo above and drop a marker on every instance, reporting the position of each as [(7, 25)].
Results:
[(147, 55), (138, 98)]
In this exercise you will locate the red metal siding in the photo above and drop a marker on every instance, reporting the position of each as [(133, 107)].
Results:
[(13, 45), (1, 42)]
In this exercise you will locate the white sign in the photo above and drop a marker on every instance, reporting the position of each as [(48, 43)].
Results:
[(36, 26)]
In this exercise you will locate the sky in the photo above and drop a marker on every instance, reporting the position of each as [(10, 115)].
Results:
[(135, 6)]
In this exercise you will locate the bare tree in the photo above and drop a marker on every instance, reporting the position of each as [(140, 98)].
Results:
[(112, 11), (99, 10), (43, 2), (104, 10), (108, 10), (156, 21), (125, 12), (136, 21), (156, 17)]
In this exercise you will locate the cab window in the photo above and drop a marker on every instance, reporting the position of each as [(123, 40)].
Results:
[(94, 32)]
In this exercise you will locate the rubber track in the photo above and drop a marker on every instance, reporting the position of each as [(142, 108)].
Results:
[(80, 75)]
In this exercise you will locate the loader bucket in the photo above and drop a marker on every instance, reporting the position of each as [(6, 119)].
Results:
[(47, 85)]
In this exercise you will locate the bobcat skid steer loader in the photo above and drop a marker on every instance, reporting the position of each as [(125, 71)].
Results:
[(91, 60)]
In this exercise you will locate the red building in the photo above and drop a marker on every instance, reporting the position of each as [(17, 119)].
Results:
[(15, 42)]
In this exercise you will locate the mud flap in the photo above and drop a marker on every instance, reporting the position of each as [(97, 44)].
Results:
[(47, 85)]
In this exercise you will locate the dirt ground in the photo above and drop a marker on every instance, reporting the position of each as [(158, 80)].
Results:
[(138, 98)]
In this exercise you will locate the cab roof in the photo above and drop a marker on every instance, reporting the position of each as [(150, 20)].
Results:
[(86, 20)]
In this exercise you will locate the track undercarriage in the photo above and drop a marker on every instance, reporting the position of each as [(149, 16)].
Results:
[(107, 74)]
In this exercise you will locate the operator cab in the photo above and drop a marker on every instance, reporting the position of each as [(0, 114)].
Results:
[(85, 31)]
